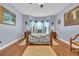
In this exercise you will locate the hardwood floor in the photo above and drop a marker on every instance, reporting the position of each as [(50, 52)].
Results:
[(17, 49), (63, 49), (14, 50), (41, 50)]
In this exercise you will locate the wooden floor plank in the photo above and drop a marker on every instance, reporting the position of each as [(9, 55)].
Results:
[(17, 49), (13, 50), (63, 49)]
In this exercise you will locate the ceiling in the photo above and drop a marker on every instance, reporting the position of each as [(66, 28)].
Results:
[(35, 10)]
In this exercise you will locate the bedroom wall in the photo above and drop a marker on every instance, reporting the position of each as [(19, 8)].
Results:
[(9, 33), (65, 32)]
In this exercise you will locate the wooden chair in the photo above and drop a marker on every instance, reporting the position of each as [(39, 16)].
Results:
[(73, 42)]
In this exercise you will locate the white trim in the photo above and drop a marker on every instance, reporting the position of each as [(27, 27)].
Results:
[(8, 44), (68, 43), (64, 41)]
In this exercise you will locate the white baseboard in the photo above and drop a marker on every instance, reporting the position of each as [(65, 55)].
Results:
[(64, 41), (68, 43), (10, 43)]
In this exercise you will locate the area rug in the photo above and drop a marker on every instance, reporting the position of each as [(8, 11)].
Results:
[(39, 51)]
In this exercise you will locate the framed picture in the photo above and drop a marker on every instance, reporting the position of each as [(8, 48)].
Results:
[(7, 17), (72, 17)]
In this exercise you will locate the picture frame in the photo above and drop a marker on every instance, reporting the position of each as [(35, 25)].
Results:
[(7, 16), (72, 17)]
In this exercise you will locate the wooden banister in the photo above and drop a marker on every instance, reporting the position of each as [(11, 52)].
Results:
[(72, 42), (75, 37)]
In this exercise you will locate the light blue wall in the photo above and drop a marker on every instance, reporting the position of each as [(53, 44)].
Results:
[(10, 33), (65, 32)]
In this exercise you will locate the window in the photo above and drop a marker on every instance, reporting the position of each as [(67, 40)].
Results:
[(39, 26)]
